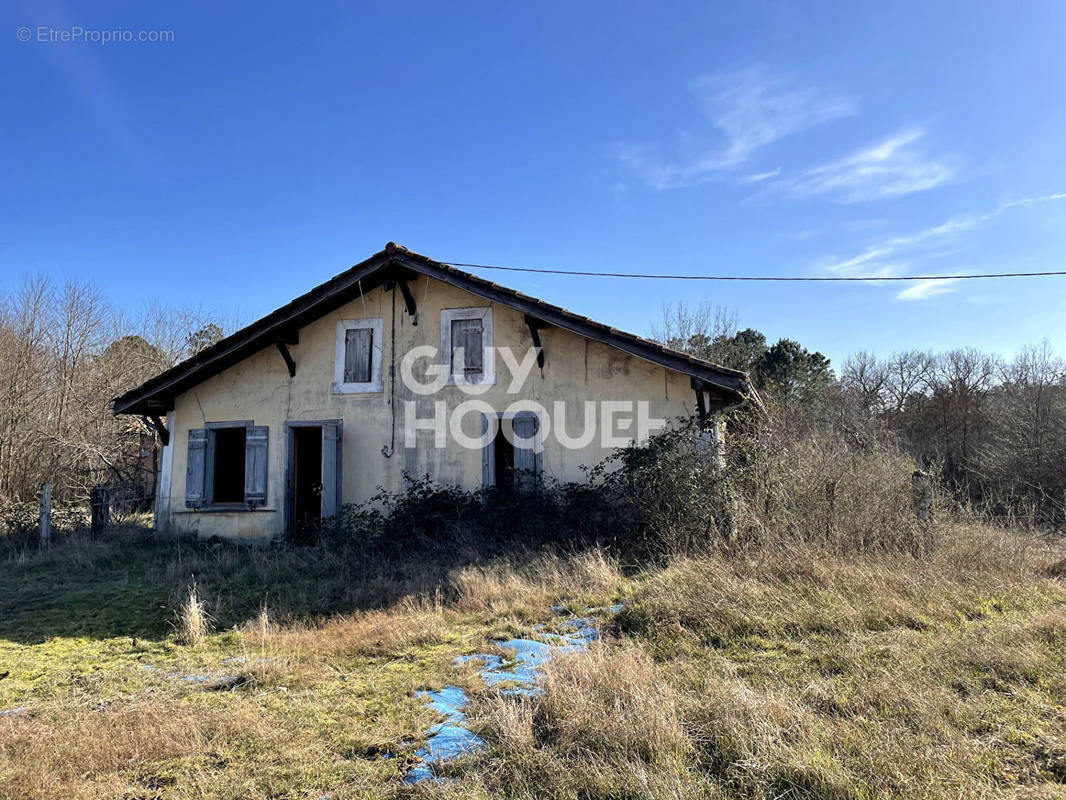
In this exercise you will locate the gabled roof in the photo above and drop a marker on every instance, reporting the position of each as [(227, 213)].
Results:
[(156, 396)]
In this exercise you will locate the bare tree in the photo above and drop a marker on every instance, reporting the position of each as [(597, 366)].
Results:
[(23, 388), (704, 330), (864, 377), (66, 353), (908, 376), (1025, 450)]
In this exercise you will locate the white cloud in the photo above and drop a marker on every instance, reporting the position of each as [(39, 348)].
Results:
[(759, 177), (924, 290), (754, 110), (890, 168), (904, 254), (750, 110), (871, 255), (1029, 201), (892, 255)]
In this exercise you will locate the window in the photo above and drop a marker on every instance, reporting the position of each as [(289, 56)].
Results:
[(227, 472), (357, 367), (226, 466), (466, 345), (358, 354)]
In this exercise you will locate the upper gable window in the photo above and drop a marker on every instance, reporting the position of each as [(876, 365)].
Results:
[(357, 365), (466, 345)]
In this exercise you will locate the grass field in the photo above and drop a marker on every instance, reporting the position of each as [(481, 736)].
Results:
[(788, 672)]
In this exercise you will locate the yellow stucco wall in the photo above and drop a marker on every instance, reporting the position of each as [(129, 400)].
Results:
[(260, 389)]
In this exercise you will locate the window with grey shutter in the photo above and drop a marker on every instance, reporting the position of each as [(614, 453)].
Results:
[(467, 347), (527, 462), (196, 460), (255, 465), (358, 352)]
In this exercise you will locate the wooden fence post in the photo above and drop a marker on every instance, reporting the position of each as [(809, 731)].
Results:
[(922, 484), (100, 505), (46, 514)]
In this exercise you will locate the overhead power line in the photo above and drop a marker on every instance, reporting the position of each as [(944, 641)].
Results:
[(548, 271)]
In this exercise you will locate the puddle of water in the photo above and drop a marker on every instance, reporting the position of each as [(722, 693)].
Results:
[(446, 740), (451, 738), (14, 712)]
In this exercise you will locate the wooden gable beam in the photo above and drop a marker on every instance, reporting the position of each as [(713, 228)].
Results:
[(400, 278), (409, 300), (535, 327), (161, 429), (285, 354), (287, 336)]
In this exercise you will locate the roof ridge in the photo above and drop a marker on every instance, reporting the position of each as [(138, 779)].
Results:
[(654, 342), (158, 392)]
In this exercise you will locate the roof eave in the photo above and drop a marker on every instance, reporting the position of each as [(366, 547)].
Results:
[(156, 396)]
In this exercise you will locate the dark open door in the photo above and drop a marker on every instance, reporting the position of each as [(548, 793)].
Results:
[(306, 483), (313, 484)]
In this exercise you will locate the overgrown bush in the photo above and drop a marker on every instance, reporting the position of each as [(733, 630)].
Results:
[(800, 479), (785, 479)]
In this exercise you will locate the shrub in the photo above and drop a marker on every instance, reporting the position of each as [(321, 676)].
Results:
[(786, 479), (811, 481)]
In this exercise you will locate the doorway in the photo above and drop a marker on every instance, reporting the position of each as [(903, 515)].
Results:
[(511, 459), (503, 458), (306, 483), (312, 478)]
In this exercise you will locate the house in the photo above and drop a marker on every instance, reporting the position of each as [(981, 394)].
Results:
[(403, 364)]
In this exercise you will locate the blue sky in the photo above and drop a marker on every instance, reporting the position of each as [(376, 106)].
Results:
[(268, 147)]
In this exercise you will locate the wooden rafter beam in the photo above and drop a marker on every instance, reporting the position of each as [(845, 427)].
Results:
[(285, 354), (701, 407), (535, 327), (401, 278), (161, 429), (408, 298)]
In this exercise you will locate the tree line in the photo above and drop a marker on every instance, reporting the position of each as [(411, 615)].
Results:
[(992, 428), (66, 352)]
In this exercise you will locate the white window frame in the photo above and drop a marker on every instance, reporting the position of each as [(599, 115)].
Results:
[(377, 325), (447, 317)]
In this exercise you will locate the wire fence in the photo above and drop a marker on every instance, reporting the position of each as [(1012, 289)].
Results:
[(109, 502)]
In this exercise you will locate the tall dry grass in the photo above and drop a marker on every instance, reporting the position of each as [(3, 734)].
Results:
[(804, 672), (778, 640), (798, 589), (114, 751), (796, 479), (193, 622)]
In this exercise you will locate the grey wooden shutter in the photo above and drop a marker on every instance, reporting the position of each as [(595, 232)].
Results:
[(196, 460), (331, 469), (526, 458), (467, 336), (255, 465), (488, 456), (358, 350)]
